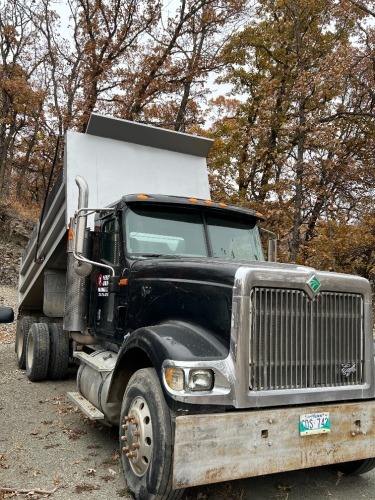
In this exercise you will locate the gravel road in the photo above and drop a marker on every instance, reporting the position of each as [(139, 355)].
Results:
[(46, 443)]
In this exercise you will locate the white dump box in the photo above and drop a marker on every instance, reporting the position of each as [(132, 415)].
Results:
[(116, 157)]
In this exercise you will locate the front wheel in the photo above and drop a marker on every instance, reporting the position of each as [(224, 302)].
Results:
[(146, 439)]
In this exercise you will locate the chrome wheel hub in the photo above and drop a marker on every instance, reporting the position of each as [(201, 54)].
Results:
[(137, 436)]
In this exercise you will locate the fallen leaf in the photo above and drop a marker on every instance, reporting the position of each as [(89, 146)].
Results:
[(86, 487), (106, 478)]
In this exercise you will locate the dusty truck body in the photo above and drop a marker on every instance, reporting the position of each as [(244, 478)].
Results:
[(214, 363)]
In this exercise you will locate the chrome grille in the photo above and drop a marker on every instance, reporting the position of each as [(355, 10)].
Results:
[(296, 342)]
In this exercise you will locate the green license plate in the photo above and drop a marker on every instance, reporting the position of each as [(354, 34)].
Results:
[(314, 423)]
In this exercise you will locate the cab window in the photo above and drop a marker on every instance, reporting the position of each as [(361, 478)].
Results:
[(110, 242)]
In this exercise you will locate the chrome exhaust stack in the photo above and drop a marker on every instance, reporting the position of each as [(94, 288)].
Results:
[(76, 303)]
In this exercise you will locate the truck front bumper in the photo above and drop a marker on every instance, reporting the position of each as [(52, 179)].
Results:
[(225, 446)]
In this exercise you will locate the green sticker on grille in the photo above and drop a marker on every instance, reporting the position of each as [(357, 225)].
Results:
[(314, 284)]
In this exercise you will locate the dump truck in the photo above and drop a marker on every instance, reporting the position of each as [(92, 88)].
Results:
[(214, 362)]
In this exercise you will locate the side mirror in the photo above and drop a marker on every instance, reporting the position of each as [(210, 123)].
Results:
[(83, 269), (272, 250), (6, 315), (272, 244)]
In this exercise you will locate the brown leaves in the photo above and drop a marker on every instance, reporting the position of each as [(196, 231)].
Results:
[(298, 145), (74, 434), (80, 488)]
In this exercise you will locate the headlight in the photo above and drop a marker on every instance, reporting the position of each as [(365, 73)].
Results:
[(194, 380), (201, 380)]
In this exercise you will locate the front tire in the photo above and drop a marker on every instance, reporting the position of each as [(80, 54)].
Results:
[(146, 439), (37, 352)]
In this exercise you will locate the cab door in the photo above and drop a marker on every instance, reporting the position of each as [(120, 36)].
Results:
[(110, 255)]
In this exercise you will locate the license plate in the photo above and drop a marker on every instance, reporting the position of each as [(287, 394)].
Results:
[(314, 423)]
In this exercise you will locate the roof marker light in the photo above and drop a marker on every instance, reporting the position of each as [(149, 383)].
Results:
[(193, 200), (209, 202), (142, 196)]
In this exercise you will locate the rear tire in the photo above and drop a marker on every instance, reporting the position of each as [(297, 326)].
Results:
[(59, 352), (37, 352), (146, 439), (355, 468), (23, 326)]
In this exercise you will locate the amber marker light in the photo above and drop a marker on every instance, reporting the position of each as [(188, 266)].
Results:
[(193, 200), (224, 205), (70, 235), (209, 202), (175, 378), (142, 196), (123, 282)]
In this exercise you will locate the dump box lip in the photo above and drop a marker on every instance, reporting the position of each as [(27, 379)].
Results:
[(148, 135)]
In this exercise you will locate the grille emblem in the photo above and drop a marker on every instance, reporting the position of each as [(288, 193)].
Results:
[(314, 283), (347, 369)]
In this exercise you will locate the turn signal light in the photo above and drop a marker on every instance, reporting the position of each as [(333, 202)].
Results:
[(175, 378)]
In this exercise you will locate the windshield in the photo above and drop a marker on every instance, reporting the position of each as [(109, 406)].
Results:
[(162, 231), (233, 238)]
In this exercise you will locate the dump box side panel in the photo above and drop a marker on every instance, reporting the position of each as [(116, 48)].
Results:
[(226, 446), (45, 249)]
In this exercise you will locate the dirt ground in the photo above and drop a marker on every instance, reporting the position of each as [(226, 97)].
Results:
[(47, 444)]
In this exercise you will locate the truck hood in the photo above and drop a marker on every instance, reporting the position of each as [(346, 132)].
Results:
[(204, 270), (236, 274)]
